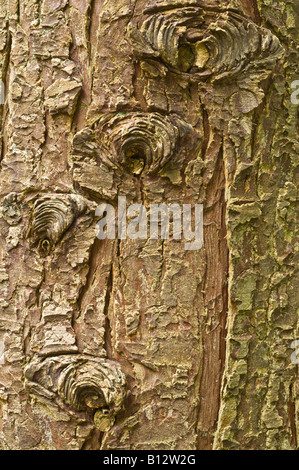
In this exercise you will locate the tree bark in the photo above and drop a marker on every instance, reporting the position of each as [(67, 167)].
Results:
[(139, 343)]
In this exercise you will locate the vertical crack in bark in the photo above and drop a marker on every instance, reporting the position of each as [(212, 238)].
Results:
[(292, 416), (92, 263), (257, 16), (91, 37), (206, 130), (93, 441), (18, 11), (258, 112), (138, 88), (108, 341), (4, 114), (225, 296), (90, 25), (139, 185)]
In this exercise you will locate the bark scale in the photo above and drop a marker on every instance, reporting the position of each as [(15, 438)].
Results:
[(141, 344)]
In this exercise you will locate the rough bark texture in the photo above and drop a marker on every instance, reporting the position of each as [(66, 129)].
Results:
[(140, 344)]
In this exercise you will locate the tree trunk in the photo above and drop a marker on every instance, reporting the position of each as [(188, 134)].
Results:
[(130, 342)]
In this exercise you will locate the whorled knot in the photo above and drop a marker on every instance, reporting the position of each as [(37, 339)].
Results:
[(164, 35), (81, 382), (235, 45), (136, 143), (53, 214), (141, 142), (205, 43)]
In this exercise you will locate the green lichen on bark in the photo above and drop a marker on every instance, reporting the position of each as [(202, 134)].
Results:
[(204, 338), (260, 409)]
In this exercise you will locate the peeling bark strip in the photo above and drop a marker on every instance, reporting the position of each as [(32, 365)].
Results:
[(140, 344)]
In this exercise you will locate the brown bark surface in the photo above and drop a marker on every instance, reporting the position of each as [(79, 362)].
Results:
[(142, 344)]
